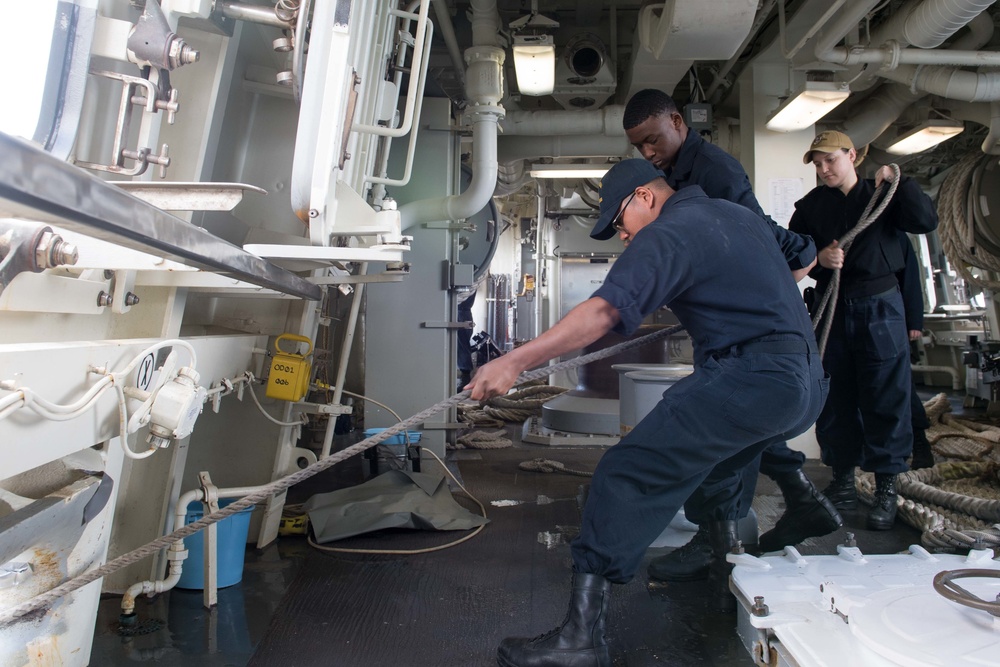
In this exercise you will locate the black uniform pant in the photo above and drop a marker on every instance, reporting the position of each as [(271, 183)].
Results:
[(866, 420), (776, 460), (704, 431)]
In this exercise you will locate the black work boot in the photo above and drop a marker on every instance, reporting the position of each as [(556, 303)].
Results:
[(685, 563), (883, 513), (808, 513), (841, 491), (923, 457), (724, 537), (578, 642)]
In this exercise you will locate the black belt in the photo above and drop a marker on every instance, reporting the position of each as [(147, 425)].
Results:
[(791, 346)]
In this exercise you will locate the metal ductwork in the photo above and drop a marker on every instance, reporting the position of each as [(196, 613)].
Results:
[(875, 114)]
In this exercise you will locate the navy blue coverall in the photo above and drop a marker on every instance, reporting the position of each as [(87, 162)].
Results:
[(757, 377), (866, 420), (913, 306), (721, 176)]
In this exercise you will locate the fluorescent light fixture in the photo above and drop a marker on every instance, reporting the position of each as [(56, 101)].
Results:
[(535, 64), (568, 170), (807, 106), (927, 134)]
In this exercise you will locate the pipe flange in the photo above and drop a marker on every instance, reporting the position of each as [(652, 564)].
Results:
[(892, 52)]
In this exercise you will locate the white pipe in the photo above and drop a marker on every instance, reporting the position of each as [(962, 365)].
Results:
[(846, 21), (926, 25), (950, 83), (879, 110), (956, 383), (177, 554), (607, 121), (484, 88), (570, 145), (476, 196), (485, 23), (891, 55), (447, 32)]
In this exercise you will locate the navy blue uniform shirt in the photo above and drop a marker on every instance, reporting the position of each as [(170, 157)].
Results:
[(716, 266), (721, 176), (873, 259)]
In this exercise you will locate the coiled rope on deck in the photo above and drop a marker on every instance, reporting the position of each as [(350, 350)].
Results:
[(548, 465), (150, 548), (867, 218), (956, 503)]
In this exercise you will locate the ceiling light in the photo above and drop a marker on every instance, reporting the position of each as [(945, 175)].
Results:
[(568, 170), (535, 64), (927, 134), (807, 106)]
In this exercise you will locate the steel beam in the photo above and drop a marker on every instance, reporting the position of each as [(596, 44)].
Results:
[(37, 186)]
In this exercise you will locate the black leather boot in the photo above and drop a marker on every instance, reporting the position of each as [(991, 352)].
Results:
[(685, 563), (578, 642), (724, 537), (883, 513), (923, 457), (841, 491), (808, 513)]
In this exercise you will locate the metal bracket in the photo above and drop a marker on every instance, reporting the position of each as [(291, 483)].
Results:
[(151, 102), (28, 247)]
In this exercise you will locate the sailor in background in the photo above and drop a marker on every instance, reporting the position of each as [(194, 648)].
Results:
[(866, 421), (757, 380)]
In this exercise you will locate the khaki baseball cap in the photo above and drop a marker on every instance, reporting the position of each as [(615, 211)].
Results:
[(829, 142)]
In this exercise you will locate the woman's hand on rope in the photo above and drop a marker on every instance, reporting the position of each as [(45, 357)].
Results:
[(885, 174), (832, 256), (494, 379)]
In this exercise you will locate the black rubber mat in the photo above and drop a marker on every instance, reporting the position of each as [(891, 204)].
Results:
[(452, 607)]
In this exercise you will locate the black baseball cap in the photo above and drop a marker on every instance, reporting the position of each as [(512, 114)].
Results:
[(620, 181)]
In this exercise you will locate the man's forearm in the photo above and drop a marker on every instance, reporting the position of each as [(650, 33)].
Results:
[(580, 327)]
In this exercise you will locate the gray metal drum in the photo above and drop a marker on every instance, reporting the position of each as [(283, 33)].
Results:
[(626, 389), (641, 388)]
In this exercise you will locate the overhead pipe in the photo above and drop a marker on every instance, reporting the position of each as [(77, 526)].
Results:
[(955, 84), (447, 31), (484, 88), (872, 117), (607, 121), (568, 145), (928, 23)]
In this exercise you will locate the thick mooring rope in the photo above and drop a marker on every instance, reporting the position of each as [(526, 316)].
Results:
[(961, 241), (548, 465), (955, 504), (150, 548), (867, 218)]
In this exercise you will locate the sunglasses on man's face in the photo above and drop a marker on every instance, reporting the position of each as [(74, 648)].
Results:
[(616, 222)]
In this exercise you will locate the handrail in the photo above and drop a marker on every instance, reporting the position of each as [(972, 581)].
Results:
[(411, 148), (418, 57)]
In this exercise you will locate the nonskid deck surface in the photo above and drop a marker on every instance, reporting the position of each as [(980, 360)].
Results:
[(298, 607)]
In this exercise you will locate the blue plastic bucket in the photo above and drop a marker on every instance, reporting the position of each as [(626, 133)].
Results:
[(232, 543)]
